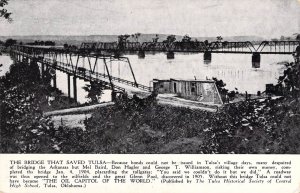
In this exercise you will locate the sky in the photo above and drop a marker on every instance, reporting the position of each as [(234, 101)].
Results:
[(267, 18)]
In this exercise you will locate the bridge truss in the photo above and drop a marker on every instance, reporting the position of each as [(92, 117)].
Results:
[(247, 47), (83, 63)]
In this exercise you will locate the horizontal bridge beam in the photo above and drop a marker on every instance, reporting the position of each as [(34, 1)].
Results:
[(96, 49)]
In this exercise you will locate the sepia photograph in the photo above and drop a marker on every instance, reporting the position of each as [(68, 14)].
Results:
[(149, 77)]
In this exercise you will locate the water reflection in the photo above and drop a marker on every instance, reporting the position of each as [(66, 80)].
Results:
[(207, 62), (235, 69)]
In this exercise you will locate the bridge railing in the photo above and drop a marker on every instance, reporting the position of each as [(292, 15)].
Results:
[(81, 74), (197, 46), (88, 73), (264, 47)]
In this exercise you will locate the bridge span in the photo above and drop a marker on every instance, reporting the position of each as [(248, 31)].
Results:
[(246, 47), (73, 64)]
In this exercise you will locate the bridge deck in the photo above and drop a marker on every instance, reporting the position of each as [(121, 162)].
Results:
[(242, 47), (118, 83)]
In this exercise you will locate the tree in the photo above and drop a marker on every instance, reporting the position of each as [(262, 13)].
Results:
[(95, 90), (170, 39), (3, 12), (219, 38), (156, 38), (186, 38), (290, 79), (298, 37), (221, 88), (10, 42), (49, 43), (136, 36), (123, 38)]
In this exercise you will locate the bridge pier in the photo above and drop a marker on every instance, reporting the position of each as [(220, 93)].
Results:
[(170, 55), (25, 60), (141, 54), (69, 86), (207, 56), (54, 81), (255, 60), (113, 96), (75, 88), (42, 70), (117, 54)]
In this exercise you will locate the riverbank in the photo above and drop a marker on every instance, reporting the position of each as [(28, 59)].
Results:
[(258, 126), (23, 99)]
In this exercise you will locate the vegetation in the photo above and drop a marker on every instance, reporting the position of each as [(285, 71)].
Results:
[(95, 90), (170, 39), (10, 42), (5, 46), (136, 36), (70, 47), (23, 99), (19, 109), (123, 38), (4, 13), (223, 91), (268, 126), (42, 43), (186, 38), (156, 38), (219, 38)]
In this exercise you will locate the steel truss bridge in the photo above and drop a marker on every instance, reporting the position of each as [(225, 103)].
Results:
[(72, 62), (247, 47)]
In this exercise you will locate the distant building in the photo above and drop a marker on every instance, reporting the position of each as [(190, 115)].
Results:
[(197, 90)]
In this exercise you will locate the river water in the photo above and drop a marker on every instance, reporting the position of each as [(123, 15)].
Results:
[(234, 69), (5, 62)]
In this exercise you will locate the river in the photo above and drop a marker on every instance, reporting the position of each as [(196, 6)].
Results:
[(234, 69), (5, 62)]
